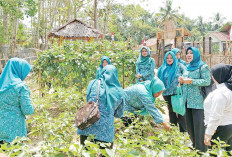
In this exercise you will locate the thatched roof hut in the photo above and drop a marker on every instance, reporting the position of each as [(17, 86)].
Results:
[(76, 29)]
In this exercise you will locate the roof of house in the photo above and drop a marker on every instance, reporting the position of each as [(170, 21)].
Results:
[(76, 29), (226, 27), (222, 36), (150, 42)]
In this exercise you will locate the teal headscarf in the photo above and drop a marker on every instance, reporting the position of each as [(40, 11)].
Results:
[(154, 86), (175, 50), (104, 58), (168, 70), (196, 63), (101, 66), (15, 71), (111, 85), (144, 60)]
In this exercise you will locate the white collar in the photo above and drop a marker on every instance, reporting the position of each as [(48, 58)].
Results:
[(220, 85)]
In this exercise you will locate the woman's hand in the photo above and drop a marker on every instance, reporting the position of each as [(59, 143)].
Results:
[(166, 126), (139, 76), (207, 140), (188, 81), (181, 80)]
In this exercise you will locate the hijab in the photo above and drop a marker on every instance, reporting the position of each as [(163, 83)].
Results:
[(175, 51), (196, 63), (144, 60), (15, 71), (110, 83), (154, 86), (222, 73), (168, 70), (104, 58)]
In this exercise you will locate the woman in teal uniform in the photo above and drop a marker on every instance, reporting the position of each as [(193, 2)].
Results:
[(145, 66), (141, 96), (15, 102), (177, 52), (110, 105), (169, 73), (104, 61), (197, 76)]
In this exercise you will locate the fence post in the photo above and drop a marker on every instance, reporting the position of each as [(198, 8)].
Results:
[(123, 81), (40, 86), (203, 45), (175, 41), (210, 44)]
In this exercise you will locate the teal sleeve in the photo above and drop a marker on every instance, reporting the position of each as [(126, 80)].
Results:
[(137, 69), (150, 107), (205, 77), (89, 89), (25, 101), (119, 111), (98, 73), (183, 69)]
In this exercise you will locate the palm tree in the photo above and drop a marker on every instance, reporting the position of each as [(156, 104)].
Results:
[(167, 13), (218, 20)]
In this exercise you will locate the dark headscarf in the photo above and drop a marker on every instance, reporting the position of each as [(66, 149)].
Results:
[(222, 73)]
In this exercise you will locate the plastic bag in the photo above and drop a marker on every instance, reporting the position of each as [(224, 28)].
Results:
[(178, 104)]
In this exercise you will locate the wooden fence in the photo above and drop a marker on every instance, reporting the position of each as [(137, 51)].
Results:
[(213, 59)]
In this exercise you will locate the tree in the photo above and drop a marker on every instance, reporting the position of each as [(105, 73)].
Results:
[(168, 13), (95, 14), (15, 11), (218, 20)]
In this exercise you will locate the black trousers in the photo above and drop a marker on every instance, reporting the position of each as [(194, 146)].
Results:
[(83, 138), (225, 134), (196, 128), (174, 117)]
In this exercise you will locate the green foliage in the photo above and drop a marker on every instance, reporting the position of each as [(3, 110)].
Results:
[(76, 63), (215, 47), (51, 132)]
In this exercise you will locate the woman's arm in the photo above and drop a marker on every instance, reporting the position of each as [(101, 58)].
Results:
[(98, 73), (205, 77), (25, 101), (119, 111), (150, 107), (217, 111)]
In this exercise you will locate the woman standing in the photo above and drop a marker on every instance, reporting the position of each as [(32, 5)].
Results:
[(145, 66), (111, 100), (198, 76), (169, 73), (104, 61), (15, 102), (177, 52), (218, 106), (141, 96)]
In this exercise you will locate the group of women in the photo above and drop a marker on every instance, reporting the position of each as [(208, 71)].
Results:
[(205, 118)]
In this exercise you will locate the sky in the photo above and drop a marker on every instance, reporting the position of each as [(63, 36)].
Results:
[(191, 8)]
